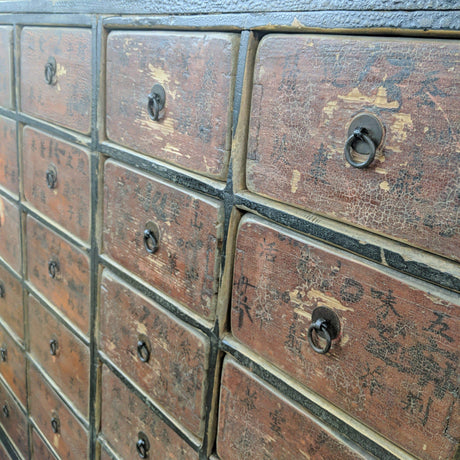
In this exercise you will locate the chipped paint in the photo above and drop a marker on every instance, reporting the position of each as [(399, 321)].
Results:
[(295, 180), (329, 301)]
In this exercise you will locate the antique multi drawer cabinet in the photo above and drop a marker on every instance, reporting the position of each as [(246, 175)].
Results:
[(229, 230)]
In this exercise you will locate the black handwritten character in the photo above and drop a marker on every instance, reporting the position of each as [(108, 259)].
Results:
[(242, 300)]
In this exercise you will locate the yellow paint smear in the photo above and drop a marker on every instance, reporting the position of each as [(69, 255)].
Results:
[(380, 100), (331, 302), (295, 180), (384, 186), (61, 71)]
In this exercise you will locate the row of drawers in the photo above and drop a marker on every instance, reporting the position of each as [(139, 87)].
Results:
[(306, 92)]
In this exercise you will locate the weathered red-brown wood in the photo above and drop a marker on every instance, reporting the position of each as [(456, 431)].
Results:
[(67, 201), (69, 289), (174, 375), (71, 439), (10, 248), (6, 64), (306, 91), (190, 232), (196, 71), (69, 366), (9, 178), (11, 309), (396, 360), (67, 100), (124, 416), (255, 421), (13, 421), (39, 449), (13, 366)]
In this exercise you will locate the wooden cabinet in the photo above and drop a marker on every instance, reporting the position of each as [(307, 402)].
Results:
[(229, 231)]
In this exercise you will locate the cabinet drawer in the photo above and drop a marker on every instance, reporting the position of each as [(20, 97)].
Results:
[(56, 75), (396, 357), (11, 302), (167, 358), (8, 155), (58, 425), (10, 248), (187, 227), (57, 180), (125, 420), (6, 64), (196, 72), (13, 421), (60, 272), (63, 356), (13, 366), (307, 90), (40, 450), (255, 421)]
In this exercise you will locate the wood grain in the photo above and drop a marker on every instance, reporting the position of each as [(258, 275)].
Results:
[(6, 64), (68, 203), (10, 248), (396, 360), (306, 91), (39, 449), (9, 175), (197, 72), (11, 302)]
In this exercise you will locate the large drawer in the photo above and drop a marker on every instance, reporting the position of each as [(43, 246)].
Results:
[(57, 180), (131, 426), (9, 176), (11, 310), (61, 354), (60, 272), (308, 89), (6, 64), (255, 421), (196, 73), (10, 247), (167, 358), (56, 75), (187, 228), (395, 360)]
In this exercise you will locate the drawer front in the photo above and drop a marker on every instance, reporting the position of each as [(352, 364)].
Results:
[(167, 358), (125, 420), (9, 178), (6, 64), (40, 450), (11, 302), (64, 357), (306, 91), (13, 366), (13, 421), (396, 357), (10, 248), (60, 272), (57, 180), (255, 421), (196, 72), (56, 75), (58, 425), (188, 229)]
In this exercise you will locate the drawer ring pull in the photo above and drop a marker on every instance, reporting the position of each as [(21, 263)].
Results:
[(156, 101), (53, 268), (6, 411), (143, 351), (360, 134), (320, 327), (51, 177), (150, 241), (326, 325), (2, 290), (4, 353), (142, 445), (55, 424), (53, 347), (50, 71)]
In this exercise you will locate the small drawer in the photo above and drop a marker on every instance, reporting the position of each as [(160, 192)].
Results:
[(308, 91), (133, 428), (57, 180), (11, 310), (395, 358), (193, 73), (164, 356), (13, 366), (61, 354), (9, 176), (56, 75), (60, 272), (255, 421), (6, 64), (59, 426), (10, 247), (165, 234), (40, 450), (14, 421)]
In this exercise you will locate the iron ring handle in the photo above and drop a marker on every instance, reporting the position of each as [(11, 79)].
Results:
[(51, 177), (143, 351), (50, 71), (53, 347), (142, 449), (150, 241), (360, 134), (153, 107), (3, 353), (6, 411), (53, 268), (319, 325), (2, 290), (55, 424)]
